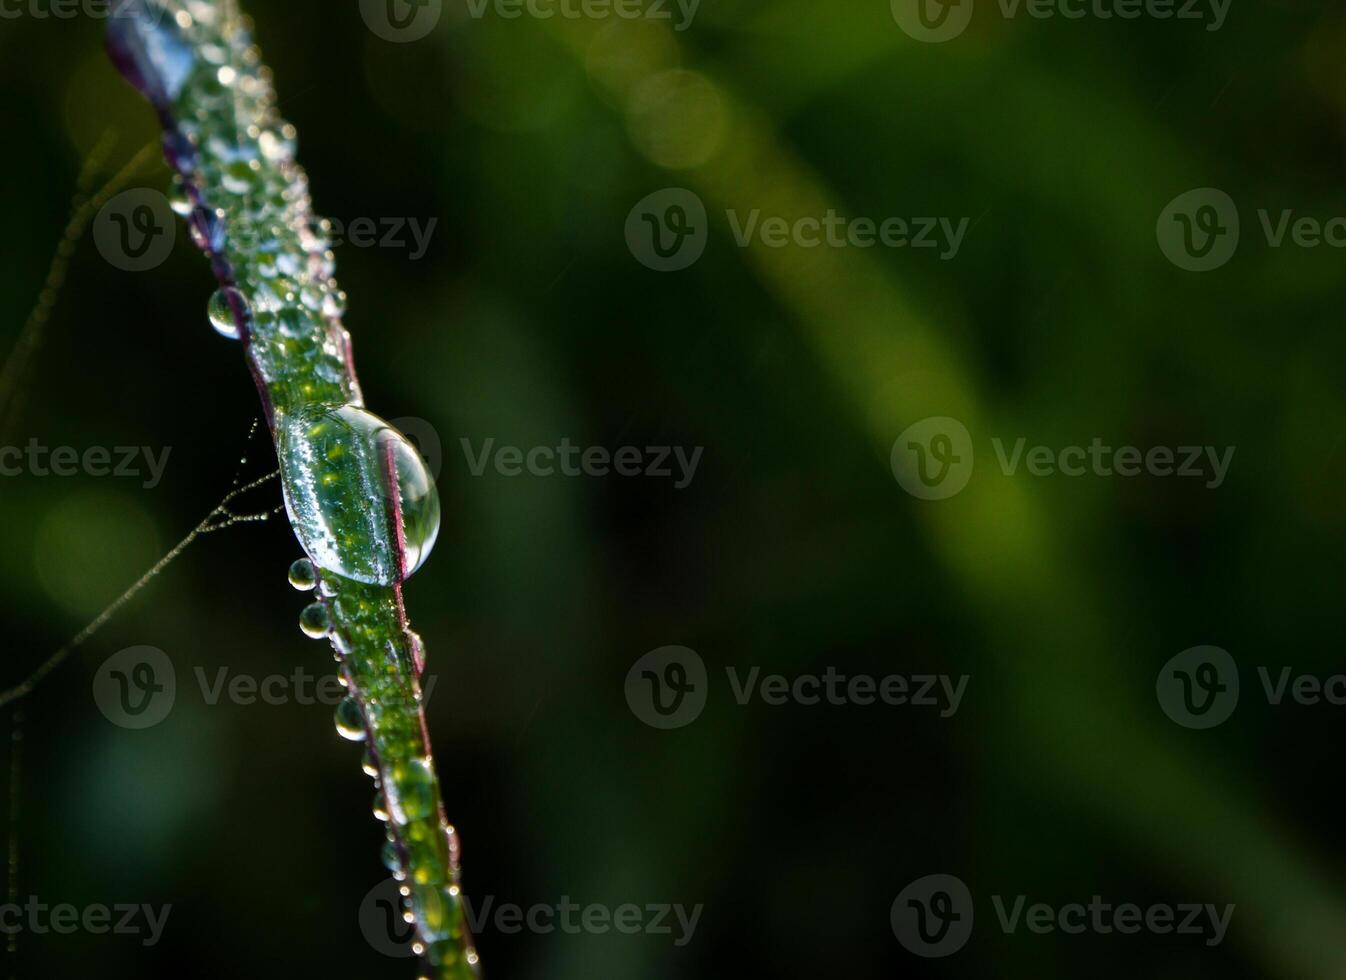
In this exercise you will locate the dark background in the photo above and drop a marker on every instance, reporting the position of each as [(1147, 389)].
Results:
[(793, 550)]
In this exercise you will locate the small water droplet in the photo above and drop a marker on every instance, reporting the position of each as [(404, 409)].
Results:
[(207, 230), (367, 764), (238, 176), (315, 621), (391, 860), (380, 808), (225, 309), (350, 721), (303, 576), (179, 199), (334, 304)]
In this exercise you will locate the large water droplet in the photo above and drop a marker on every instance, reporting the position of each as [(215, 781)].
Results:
[(360, 497), (350, 721)]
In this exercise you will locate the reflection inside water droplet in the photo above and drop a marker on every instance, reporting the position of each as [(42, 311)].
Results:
[(303, 576), (359, 495), (350, 721), (315, 621)]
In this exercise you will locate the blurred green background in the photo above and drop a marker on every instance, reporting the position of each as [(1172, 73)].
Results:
[(529, 321)]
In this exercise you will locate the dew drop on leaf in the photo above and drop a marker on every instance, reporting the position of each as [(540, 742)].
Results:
[(303, 576), (391, 861), (179, 200), (350, 722), (360, 497), (225, 309), (315, 621)]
